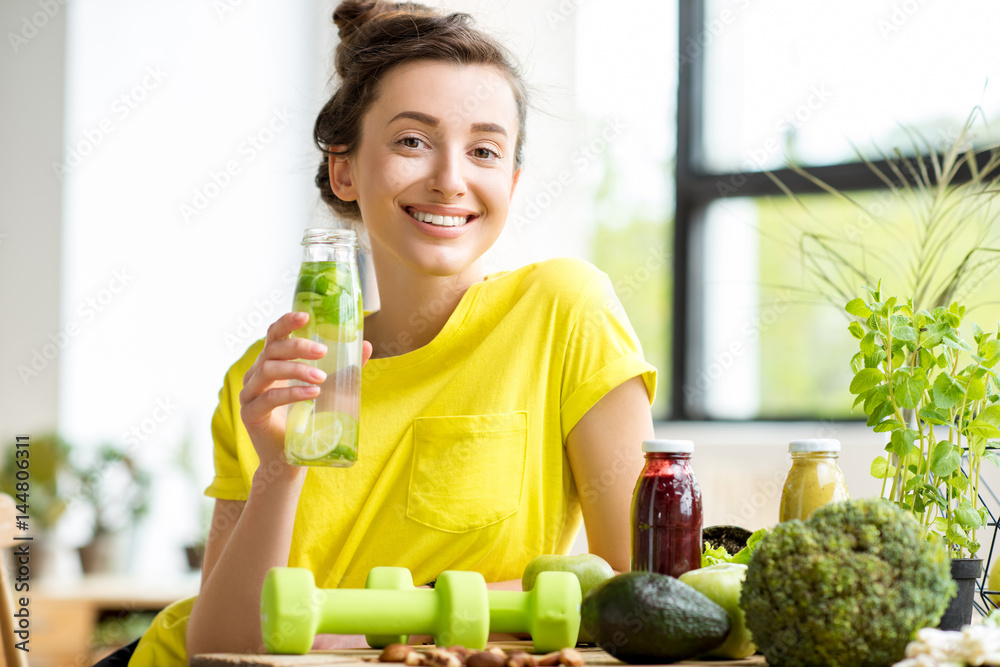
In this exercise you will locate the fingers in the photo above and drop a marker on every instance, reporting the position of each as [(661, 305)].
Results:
[(258, 409), (366, 353), (271, 371), (264, 384), (285, 325)]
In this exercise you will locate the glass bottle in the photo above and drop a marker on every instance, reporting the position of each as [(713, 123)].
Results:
[(814, 479), (324, 431), (666, 510)]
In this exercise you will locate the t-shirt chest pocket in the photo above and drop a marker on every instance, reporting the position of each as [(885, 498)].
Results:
[(467, 470)]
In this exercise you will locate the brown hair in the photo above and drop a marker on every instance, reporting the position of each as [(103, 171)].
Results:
[(376, 36)]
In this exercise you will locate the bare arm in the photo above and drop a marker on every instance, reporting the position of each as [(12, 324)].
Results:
[(226, 616), (224, 518), (605, 453)]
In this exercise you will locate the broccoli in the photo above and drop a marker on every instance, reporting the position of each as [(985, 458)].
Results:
[(848, 586)]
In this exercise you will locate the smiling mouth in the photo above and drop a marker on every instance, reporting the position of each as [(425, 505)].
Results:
[(439, 220)]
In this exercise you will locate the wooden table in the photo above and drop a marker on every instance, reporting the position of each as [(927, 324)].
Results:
[(591, 656), (64, 613)]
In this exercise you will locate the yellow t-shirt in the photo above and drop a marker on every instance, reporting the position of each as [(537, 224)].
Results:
[(462, 462)]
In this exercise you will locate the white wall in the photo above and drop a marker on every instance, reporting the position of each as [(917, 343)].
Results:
[(32, 83)]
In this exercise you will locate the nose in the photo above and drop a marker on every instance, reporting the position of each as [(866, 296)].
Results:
[(448, 176)]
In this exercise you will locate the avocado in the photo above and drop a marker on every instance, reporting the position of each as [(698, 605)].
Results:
[(645, 617)]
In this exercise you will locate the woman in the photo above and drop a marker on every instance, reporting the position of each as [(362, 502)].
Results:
[(495, 408)]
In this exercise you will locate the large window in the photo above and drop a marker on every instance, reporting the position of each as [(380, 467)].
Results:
[(763, 85)]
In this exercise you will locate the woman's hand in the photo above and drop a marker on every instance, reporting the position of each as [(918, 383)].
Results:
[(266, 391)]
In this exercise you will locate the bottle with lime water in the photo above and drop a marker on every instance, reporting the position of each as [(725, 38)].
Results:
[(324, 431)]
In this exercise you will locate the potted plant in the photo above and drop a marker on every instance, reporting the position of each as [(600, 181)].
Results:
[(116, 492), (937, 396), (915, 376), (49, 469)]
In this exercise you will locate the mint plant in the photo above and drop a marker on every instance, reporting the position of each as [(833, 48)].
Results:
[(937, 397)]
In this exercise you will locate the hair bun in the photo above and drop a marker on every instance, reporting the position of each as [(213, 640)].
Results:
[(351, 15)]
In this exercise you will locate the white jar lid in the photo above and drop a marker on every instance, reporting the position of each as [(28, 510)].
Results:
[(668, 446), (814, 445)]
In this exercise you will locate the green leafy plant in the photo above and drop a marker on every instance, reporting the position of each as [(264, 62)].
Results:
[(937, 396), (936, 238), (716, 555), (49, 469), (113, 485), (933, 239)]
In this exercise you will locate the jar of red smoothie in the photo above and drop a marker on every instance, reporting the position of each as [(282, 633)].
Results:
[(666, 510)]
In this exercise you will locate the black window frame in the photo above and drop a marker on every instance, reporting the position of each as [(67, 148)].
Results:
[(696, 188)]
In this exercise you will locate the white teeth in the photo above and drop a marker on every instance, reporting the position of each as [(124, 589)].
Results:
[(439, 220)]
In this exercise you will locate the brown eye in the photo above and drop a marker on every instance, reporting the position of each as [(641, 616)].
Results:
[(410, 142), (485, 153)]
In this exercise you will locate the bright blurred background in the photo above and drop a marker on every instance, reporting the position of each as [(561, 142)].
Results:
[(157, 170)]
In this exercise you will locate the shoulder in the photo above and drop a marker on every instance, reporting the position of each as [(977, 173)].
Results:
[(566, 286), (564, 277)]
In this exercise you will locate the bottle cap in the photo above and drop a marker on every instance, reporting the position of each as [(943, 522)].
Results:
[(814, 445), (668, 446)]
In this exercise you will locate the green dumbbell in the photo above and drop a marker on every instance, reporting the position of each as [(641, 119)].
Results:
[(293, 611), (389, 579), (549, 612)]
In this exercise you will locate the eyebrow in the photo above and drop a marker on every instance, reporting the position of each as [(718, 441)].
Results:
[(427, 119)]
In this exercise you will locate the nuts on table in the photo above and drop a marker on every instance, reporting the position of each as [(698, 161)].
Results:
[(547, 660), (414, 658), (462, 653), (520, 659), (459, 656), (487, 659), (570, 657), (438, 657), (395, 653)]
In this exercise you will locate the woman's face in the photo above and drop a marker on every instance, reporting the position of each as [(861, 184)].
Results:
[(433, 172)]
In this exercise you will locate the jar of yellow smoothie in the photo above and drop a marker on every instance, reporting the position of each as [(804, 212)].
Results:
[(814, 479)]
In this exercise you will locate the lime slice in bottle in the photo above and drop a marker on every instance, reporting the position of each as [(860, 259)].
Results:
[(328, 431), (297, 420)]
